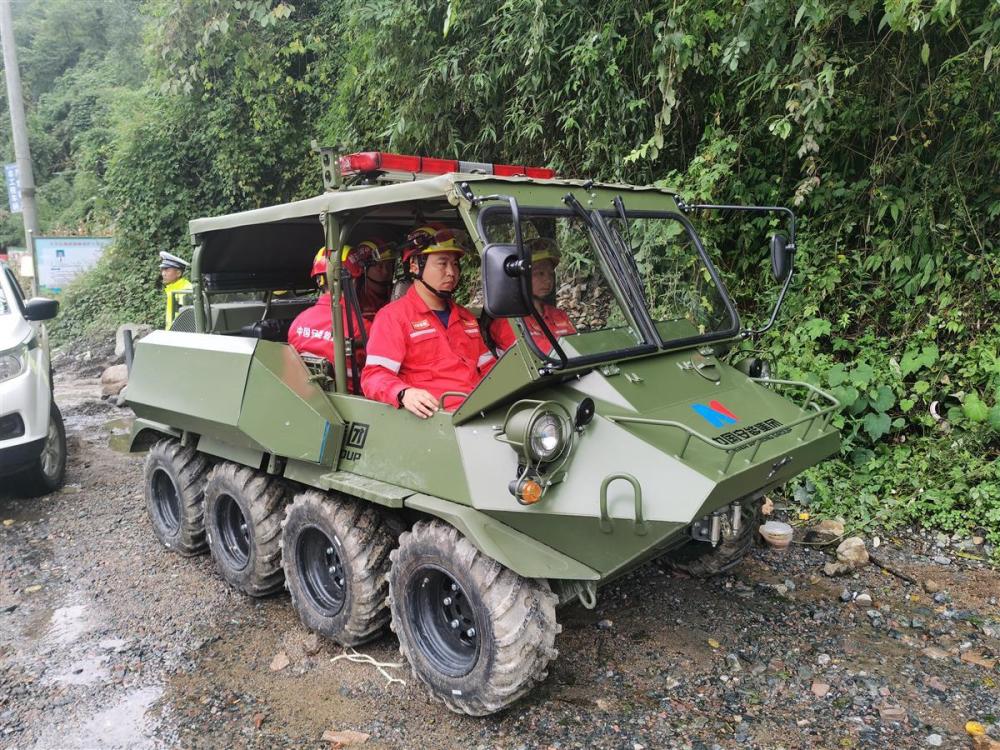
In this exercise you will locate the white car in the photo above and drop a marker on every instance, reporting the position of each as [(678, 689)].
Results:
[(32, 436)]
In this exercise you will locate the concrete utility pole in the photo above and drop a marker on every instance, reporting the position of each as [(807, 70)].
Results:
[(22, 153)]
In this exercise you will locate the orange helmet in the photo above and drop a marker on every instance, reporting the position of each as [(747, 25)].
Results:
[(318, 273), (431, 239)]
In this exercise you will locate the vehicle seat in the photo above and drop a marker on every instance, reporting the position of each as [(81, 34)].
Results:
[(400, 288), (269, 329)]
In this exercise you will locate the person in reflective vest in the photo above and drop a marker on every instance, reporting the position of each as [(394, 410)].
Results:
[(175, 285), (544, 259), (423, 344), (370, 266)]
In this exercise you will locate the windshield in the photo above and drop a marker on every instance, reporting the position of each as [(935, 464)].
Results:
[(570, 288), (655, 255), (682, 295)]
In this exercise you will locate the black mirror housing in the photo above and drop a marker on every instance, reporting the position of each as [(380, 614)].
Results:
[(504, 282), (40, 308), (781, 258)]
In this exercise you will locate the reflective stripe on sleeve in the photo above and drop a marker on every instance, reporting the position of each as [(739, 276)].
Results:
[(389, 364), (483, 359)]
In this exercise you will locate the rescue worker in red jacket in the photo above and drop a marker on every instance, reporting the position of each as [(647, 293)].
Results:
[(424, 344), (544, 259), (370, 265)]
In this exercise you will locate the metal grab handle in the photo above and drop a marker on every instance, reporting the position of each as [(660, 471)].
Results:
[(639, 523), (452, 394)]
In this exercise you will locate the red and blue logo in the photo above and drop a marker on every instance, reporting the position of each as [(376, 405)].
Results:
[(715, 414)]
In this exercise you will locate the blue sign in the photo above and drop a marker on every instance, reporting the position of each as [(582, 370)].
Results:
[(13, 178)]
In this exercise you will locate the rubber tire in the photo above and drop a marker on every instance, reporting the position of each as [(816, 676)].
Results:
[(364, 544), (187, 469), (515, 619), (261, 500), (33, 481), (701, 560)]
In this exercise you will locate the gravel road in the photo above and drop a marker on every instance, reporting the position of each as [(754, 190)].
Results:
[(107, 641)]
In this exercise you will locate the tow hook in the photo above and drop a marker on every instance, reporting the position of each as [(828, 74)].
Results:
[(723, 523)]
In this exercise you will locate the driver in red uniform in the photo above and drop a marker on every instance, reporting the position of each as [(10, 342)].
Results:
[(425, 344), (544, 259)]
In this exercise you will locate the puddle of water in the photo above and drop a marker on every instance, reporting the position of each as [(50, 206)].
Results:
[(120, 430), (122, 725), (69, 623), (85, 671)]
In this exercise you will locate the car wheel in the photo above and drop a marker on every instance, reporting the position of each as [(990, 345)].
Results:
[(476, 634), (48, 472), (335, 553), (243, 513), (174, 489)]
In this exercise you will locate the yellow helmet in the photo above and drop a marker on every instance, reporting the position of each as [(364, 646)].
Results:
[(431, 239), (543, 248)]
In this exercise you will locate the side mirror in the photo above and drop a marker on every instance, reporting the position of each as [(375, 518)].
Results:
[(781, 258), (39, 308), (506, 276)]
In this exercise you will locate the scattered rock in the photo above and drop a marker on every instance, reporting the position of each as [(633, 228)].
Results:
[(863, 600), (344, 737), (892, 713), (823, 660), (113, 379), (935, 683), (826, 531), (258, 721), (605, 624), (935, 652), (934, 740), (852, 552), (836, 569), (846, 595), (931, 586), (733, 663), (982, 742), (971, 657), (941, 560), (280, 661), (312, 644), (820, 689)]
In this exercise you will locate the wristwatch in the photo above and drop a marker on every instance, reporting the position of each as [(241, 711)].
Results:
[(399, 397)]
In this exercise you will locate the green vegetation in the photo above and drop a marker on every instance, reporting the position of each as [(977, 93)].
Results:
[(878, 120)]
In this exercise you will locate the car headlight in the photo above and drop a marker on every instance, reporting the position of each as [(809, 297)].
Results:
[(12, 362), (545, 439), (538, 430)]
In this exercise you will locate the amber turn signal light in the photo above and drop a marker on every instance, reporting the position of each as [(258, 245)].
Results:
[(527, 491)]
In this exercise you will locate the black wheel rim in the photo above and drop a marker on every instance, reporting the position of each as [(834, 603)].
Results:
[(166, 500), (444, 622), (321, 570), (234, 531)]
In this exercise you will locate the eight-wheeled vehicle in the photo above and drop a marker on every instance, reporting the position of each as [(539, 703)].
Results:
[(575, 459)]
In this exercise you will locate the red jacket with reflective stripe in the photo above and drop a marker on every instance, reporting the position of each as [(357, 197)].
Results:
[(557, 321), (409, 348), (310, 332)]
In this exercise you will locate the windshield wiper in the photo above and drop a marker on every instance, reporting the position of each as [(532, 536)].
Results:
[(625, 244), (632, 299)]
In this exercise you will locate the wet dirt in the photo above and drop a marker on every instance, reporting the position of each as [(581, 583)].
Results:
[(109, 641)]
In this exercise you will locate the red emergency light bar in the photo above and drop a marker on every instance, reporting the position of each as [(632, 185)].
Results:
[(381, 161)]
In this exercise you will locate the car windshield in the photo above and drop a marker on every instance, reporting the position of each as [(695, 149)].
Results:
[(680, 289), (586, 313)]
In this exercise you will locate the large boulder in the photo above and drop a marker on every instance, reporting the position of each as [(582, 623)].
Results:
[(853, 553), (113, 379)]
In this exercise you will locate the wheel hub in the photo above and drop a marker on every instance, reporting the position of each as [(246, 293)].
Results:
[(234, 532), (166, 500), (444, 622), (321, 570)]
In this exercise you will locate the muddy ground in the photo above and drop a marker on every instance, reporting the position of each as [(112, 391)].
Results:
[(107, 640)]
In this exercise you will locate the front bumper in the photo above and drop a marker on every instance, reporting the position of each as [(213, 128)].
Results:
[(24, 415)]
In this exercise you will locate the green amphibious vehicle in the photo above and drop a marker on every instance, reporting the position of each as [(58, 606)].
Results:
[(577, 458)]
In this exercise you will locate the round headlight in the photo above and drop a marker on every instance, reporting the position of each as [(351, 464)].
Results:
[(546, 438), (11, 363)]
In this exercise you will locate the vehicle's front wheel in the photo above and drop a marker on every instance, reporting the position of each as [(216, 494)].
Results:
[(48, 471), (477, 635), (702, 560), (243, 512), (335, 552), (174, 488)]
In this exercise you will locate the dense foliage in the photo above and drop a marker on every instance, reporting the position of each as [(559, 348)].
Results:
[(877, 120)]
